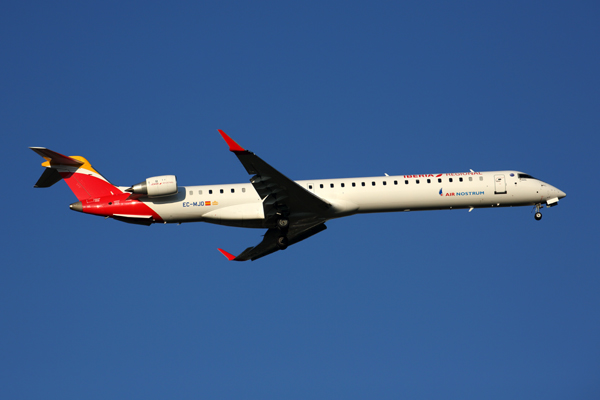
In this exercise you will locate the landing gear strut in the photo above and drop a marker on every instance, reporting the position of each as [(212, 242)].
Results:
[(538, 214)]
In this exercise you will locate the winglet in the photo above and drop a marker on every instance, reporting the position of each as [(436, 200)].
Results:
[(230, 257), (233, 146)]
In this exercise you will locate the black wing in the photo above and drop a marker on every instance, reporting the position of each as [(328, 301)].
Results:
[(282, 199)]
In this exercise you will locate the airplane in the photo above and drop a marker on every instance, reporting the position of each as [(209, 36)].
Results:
[(291, 211)]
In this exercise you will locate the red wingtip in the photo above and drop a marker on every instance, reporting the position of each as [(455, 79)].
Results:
[(230, 257), (233, 146)]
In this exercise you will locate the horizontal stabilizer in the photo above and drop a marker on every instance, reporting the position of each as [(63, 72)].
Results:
[(56, 158)]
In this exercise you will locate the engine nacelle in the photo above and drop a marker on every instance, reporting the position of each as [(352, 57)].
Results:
[(156, 186)]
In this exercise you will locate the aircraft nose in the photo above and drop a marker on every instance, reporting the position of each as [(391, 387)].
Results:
[(554, 191)]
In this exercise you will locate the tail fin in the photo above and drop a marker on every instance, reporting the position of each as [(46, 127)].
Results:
[(84, 181)]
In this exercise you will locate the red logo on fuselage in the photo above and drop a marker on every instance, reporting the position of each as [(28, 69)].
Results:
[(423, 176)]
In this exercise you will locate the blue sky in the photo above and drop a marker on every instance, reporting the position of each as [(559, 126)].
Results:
[(449, 304)]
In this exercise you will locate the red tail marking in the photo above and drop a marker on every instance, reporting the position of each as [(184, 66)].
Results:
[(88, 187)]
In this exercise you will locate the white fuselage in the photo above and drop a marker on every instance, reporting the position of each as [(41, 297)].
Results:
[(240, 204), (291, 211)]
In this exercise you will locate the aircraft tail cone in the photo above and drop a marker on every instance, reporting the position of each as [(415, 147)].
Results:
[(76, 206)]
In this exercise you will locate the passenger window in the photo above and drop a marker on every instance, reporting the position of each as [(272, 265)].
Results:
[(395, 182), (417, 181), (191, 192), (210, 191), (470, 179), (221, 191), (353, 184), (460, 179), (428, 180), (232, 190), (243, 190), (199, 191), (450, 180), (439, 180), (343, 185), (362, 183), (331, 185), (310, 187), (481, 178), (321, 186), (384, 183), (373, 183), (406, 182)]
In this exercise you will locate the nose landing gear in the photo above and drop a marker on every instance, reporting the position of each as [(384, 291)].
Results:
[(538, 214)]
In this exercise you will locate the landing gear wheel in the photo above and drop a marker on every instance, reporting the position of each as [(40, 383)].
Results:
[(283, 223), (282, 242), (538, 214)]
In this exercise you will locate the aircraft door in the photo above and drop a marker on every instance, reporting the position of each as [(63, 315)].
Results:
[(499, 184)]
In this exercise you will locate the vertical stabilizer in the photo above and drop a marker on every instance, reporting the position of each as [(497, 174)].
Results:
[(78, 173)]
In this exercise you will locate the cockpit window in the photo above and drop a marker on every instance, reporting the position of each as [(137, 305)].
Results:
[(525, 176)]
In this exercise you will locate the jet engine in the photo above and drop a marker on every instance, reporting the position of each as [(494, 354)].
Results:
[(156, 186)]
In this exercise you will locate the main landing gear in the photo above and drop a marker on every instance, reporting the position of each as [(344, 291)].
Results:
[(283, 223), (282, 241), (538, 214)]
